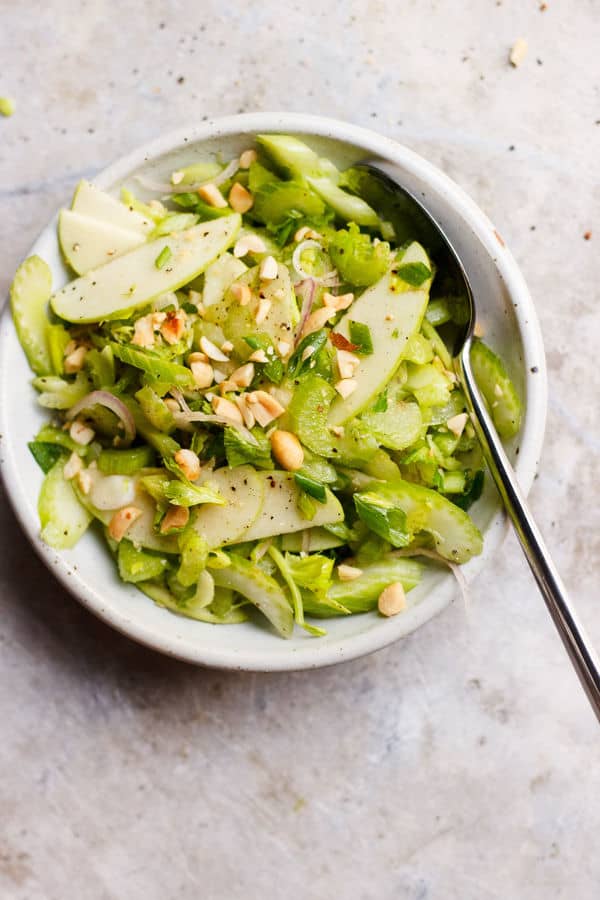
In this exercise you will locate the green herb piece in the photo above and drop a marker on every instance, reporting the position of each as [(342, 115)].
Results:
[(415, 274), (45, 454), (239, 450), (163, 257), (360, 335), (381, 404), (312, 487), (313, 342), (382, 517)]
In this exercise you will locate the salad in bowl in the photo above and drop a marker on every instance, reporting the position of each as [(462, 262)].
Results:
[(250, 391)]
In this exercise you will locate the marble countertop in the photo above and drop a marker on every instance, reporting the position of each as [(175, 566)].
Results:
[(458, 764)]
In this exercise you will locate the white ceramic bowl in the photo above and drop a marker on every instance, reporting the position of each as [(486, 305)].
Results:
[(511, 327)]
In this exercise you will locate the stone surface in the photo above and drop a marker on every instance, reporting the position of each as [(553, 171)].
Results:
[(460, 764)]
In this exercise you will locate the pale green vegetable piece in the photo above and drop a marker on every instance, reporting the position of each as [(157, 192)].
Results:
[(219, 277), (89, 200), (190, 609), (280, 513), (7, 106), (29, 295), (396, 427), (87, 243), (455, 535), (118, 288), (62, 516), (262, 590), (243, 490), (497, 388), (312, 540), (361, 594), (291, 155), (141, 532), (347, 206), (278, 302), (392, 318)]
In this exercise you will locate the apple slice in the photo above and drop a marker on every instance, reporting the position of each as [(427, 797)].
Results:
[(244, 492), (392, 317), (88, 200), (88, 243), (280, 513), (116, 289)]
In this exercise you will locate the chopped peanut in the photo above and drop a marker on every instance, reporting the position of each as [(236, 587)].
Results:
[(172, 404), (287, 450), (74, 361), (338, 430), (177, 177), (241, 292), (203, 373), (249, 243), (247, 414), (173, 326), (82, 434), (226, 346), (211, 194), (84, 480), (157, 318), (212, 351), (122, 520), (518, 52), (347, 363), (318, 319), (240, 199), (478, 331), (457, 423), (265, 407), (268, 268), (175, 517), (143, 332), (306, 232), (247, 158), (392, 600), (189, 463), (73, 466), (195, 297), (338, 302), (348, 573), (220, 377), (283, 348), (243, 376), (223, 407), (259, 356), (346, 386), (263, 309)]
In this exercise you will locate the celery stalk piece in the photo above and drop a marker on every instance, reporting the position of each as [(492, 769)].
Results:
[(347, 206), (392, 316), (62, 516), (263, 591), (118, 288), (497, 388), (29, 295), (360, 595), (139, 565)]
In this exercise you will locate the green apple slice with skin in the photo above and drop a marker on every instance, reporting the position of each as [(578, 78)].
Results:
[(88, 200), (29, 295), (88, 243), (133, 280), (280, 513), (392, 317), (244, 492)]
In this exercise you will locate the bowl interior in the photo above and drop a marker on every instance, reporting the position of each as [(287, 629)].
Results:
[(510, 327)]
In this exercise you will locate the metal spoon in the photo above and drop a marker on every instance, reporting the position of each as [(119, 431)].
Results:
[(577, 644)]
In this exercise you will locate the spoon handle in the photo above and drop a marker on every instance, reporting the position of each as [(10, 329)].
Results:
[(559, 606)]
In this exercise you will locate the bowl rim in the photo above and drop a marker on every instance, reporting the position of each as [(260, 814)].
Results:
[(315, 654)]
